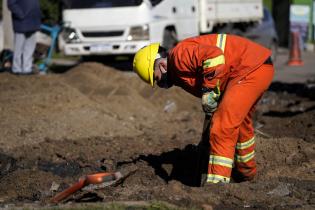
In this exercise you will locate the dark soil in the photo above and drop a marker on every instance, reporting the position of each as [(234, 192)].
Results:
[(60, 127)]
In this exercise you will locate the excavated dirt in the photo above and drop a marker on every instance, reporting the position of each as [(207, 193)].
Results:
[(59, 127)]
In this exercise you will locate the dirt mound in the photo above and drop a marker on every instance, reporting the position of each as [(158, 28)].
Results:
[(90, 100), (59, 127)]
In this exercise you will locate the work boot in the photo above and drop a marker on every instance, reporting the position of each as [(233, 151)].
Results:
[(240, 177)]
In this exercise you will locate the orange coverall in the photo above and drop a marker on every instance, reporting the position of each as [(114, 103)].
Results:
[(240, 65)]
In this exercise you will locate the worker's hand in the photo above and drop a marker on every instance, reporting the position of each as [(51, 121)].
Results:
[(209, 102), (210, 99)]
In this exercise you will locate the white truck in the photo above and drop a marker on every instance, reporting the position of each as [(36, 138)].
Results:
[(112, 27)]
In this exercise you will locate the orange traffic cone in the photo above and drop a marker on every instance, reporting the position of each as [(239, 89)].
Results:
[(295, 51)]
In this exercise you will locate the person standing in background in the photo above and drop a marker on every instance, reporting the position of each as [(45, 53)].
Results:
[(26, 16)]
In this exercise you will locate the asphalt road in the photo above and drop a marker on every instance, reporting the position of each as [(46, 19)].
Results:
[(295, 74)]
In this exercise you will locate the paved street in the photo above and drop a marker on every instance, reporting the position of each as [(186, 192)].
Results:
[(292, 74)]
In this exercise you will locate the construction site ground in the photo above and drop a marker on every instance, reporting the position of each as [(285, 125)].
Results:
[(94, 117)]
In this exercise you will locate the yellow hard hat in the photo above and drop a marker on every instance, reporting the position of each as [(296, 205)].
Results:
[(143, 62)]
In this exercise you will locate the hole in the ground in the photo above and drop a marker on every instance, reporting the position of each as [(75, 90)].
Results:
[(186, 165), (7, 164)]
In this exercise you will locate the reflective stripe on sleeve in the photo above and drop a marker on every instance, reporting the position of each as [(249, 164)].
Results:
[(222, 161), (246, 144), (245, 158), (213, 62), (214, 178), (221, 41)]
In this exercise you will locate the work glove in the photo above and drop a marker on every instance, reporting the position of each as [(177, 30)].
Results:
[(210, 99)]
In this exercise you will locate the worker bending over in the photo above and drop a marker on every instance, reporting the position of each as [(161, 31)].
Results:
[(229, 73)]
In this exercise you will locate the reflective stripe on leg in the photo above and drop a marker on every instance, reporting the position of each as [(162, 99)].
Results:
[(246, 144), (222, 161), (245, 158), (214, 178)]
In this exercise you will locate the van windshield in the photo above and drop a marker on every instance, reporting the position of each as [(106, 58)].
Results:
[(84, 4)]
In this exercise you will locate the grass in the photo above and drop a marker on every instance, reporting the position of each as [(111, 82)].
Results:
[(59, 55), (141, 205)]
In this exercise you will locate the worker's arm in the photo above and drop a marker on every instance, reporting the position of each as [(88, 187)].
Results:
[(16, 9), (212, 63)]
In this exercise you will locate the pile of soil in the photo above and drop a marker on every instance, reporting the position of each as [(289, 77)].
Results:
[(59, 127)]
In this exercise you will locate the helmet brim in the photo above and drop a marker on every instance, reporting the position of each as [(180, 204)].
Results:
[(154, 49)]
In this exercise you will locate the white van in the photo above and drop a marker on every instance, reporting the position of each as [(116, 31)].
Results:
[(108, 27), (123, 27), (220, 13)]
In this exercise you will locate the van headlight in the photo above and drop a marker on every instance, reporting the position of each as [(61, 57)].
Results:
[(138, 33), (70, 35)]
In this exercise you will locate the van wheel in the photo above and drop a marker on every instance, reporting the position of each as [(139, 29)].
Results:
[(169, 39)]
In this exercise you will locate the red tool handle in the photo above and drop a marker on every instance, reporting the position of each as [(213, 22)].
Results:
[(89, 179), (99, 178), (69, 191)]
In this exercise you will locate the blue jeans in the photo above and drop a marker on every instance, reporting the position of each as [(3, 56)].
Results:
[(24, 47)]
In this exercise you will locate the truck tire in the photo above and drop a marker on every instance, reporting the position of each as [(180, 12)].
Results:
[(169, 39)]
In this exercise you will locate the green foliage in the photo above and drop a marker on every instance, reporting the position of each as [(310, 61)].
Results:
[(268, 4), (51, 11), (119, 206), (307, 2)]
